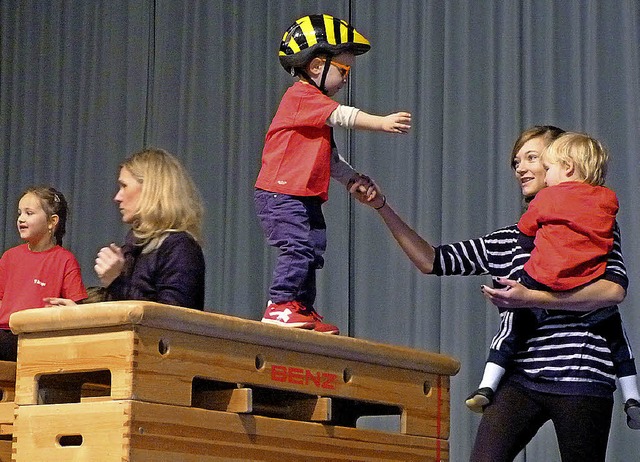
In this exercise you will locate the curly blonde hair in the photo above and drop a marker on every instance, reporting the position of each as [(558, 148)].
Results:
[(169, 200), (587, 154)]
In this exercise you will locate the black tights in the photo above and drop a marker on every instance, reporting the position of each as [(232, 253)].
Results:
[(8, 346), (581, 424)]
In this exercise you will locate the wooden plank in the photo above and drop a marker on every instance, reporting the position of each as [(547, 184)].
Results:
[(7, 412), (126, 430), (207, 324), (82, 432), (7, 381), (90, 351), (156, 365), (6, 451), (7, 408), (239, 400)]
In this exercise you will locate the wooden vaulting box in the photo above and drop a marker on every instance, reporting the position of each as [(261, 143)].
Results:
[(7, 407), (141, 381)]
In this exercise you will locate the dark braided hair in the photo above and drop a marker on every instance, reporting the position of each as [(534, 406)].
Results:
[(53, 203)]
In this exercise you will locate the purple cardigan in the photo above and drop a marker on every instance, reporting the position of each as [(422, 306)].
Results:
[(172, 274)]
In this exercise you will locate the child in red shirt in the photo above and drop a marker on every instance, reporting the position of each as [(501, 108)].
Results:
[(39, 269), (568, 229), (572, 219), (300, 156)]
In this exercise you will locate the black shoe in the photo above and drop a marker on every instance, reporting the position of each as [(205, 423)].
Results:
[(632, 409), (480, 399)]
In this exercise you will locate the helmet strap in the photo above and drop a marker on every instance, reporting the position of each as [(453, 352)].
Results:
[(323, 79), (302, 73), (325, 71), (309, 80)]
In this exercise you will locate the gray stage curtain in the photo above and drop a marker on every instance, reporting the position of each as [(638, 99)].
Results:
[(85, 83)]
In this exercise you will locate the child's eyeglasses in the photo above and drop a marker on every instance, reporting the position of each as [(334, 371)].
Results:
[(343, 68)]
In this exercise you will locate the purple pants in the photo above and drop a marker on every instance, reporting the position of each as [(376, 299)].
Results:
[(296, 226)]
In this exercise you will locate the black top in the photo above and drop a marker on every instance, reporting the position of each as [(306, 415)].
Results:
[(172, 274)]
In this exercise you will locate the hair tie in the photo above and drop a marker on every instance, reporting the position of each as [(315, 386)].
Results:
[(384, 202)]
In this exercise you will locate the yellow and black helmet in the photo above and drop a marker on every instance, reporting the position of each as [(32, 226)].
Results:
[(318, 34)]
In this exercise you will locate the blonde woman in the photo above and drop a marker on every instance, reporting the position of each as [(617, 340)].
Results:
[(161, 259)]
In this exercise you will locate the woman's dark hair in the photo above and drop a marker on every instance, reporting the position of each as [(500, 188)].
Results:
[(547, 132)]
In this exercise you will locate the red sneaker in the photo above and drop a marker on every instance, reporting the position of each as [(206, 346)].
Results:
[(289, 314), (323, 327)]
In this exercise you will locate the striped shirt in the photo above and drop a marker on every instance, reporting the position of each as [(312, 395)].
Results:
[(565, 353)]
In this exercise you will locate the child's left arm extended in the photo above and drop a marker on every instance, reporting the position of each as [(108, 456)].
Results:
[(351, 117), (398, 122)]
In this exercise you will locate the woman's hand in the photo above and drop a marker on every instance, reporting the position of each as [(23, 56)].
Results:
[(365, 190), (514, 295), (109, 264), (598, 294)]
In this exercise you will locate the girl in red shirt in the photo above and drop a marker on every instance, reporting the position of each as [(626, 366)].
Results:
[(40, 268)]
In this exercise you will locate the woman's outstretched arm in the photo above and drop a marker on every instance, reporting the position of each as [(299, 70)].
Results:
[(419, 251)]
